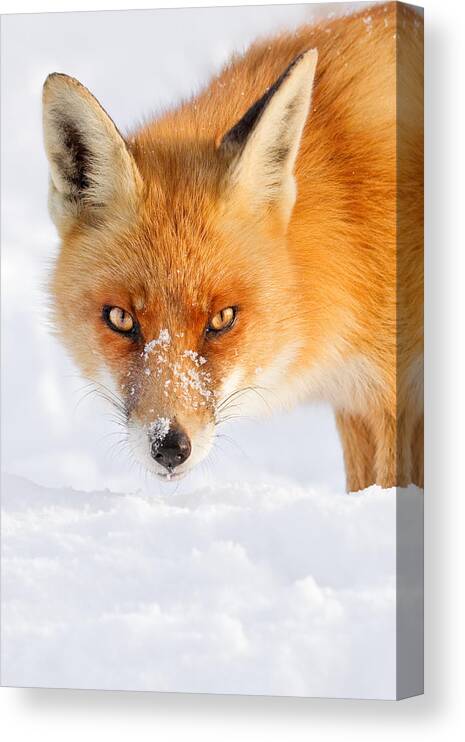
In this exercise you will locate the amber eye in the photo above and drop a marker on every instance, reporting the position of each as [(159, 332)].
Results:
[(119, 320), (222, 320)]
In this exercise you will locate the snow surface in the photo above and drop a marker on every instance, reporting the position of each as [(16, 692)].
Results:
[(233, 589), (256, 574)]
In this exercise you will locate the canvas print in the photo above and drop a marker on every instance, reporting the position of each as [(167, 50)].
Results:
[(212, 350)]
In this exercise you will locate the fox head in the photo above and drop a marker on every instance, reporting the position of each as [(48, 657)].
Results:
[(171, 289)]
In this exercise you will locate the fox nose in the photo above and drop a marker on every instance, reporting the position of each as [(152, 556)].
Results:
[(173, 450)]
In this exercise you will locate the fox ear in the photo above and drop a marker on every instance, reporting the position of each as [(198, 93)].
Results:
[(91, 169), (265, 142)]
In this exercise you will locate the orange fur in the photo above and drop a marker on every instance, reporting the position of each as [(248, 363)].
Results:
[(334, 296)]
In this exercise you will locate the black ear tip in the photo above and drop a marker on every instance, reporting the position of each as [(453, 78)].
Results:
[(51, 82), (239, 133), (49, 79), (54, 76), (60, 79), (310, 54)]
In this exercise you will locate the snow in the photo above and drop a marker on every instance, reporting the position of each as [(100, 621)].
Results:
[(196, 357), (191, 383), (229, 588), (162, 341), (159, 429), (254, 575), (185, 378)]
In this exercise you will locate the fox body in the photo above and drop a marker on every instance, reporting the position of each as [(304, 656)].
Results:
[(244, 252)]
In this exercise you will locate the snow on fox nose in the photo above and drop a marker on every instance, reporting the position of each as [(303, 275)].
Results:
[(179, 373), (172, 408)]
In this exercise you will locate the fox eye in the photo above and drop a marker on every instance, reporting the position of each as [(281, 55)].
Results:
[(222, 321), (119, 320)]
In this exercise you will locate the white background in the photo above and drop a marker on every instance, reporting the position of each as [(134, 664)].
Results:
[(54, 715)]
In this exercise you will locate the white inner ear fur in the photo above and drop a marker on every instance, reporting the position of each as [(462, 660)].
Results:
[(90, 165), (264, 169)]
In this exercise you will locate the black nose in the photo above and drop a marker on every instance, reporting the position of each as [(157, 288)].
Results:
[(173, 450)]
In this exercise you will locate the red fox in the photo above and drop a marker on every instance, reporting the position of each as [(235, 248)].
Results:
[(258, 246)]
